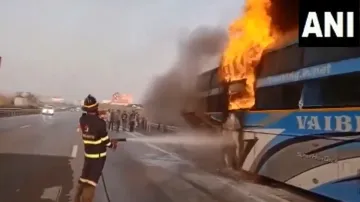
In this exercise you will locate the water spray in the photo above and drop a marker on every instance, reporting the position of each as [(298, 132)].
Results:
[(197, 140)]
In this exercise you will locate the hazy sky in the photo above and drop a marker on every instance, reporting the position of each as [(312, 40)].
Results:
[(71, 48)]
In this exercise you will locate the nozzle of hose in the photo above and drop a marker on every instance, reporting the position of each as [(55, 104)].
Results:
[(121, 139)]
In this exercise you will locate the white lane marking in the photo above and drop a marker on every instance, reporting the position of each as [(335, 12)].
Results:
[(25, 126), (156, 147), (52, 193), (74, 151)]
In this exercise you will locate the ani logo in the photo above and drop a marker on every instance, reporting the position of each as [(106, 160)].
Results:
[(334, 23)]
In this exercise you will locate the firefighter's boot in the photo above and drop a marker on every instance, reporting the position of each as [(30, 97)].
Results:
[(88, 194), (78, 192)]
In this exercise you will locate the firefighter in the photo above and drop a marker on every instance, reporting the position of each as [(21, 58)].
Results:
[(124, 118), (111, 123), (232, 133), (96, 141), (132, 120), (108, 114), (117, 120), (138, 120)]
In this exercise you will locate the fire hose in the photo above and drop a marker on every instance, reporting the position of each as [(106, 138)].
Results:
[(120, 139), (102, 175), (105, 188)]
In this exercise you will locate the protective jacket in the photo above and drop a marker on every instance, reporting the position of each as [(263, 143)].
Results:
[(96, 141)]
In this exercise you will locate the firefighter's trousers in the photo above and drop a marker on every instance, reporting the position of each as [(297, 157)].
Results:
[(90, 176)]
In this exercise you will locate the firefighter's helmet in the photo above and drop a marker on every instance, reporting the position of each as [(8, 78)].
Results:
[(90, 104)]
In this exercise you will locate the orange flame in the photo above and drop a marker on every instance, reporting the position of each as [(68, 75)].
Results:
[(249, 36)]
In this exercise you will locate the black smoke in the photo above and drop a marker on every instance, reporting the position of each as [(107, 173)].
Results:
[(284, 15), (173, 92)]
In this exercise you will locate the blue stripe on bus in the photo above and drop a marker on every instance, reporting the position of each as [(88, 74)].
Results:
[(347, 191)]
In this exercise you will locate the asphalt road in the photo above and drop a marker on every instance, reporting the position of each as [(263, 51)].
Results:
[(41, 159)]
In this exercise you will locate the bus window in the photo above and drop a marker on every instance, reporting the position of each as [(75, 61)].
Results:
[(290, 59), (268, 65), (279, 97), (208, 80), (268, 98), (311, 94), (281, 61), (320, 55), (203, 81), (216, 103), (341, 91), (214, 77)]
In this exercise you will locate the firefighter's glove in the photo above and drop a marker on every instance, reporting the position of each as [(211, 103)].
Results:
[(113, 144)]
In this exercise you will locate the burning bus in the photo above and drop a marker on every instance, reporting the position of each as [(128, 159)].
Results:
[(299, 108), (302, 126)]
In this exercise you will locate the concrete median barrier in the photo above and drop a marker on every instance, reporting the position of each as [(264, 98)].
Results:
[(151, 127), (9, 112)]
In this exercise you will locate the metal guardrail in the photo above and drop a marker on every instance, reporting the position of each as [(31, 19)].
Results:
[(8, 112), (150, 126), (10, 108)]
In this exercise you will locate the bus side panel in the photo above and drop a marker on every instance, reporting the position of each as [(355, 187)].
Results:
[(311, 149)]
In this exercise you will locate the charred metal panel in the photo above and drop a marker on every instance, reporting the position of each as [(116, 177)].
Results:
[(208, 80)]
